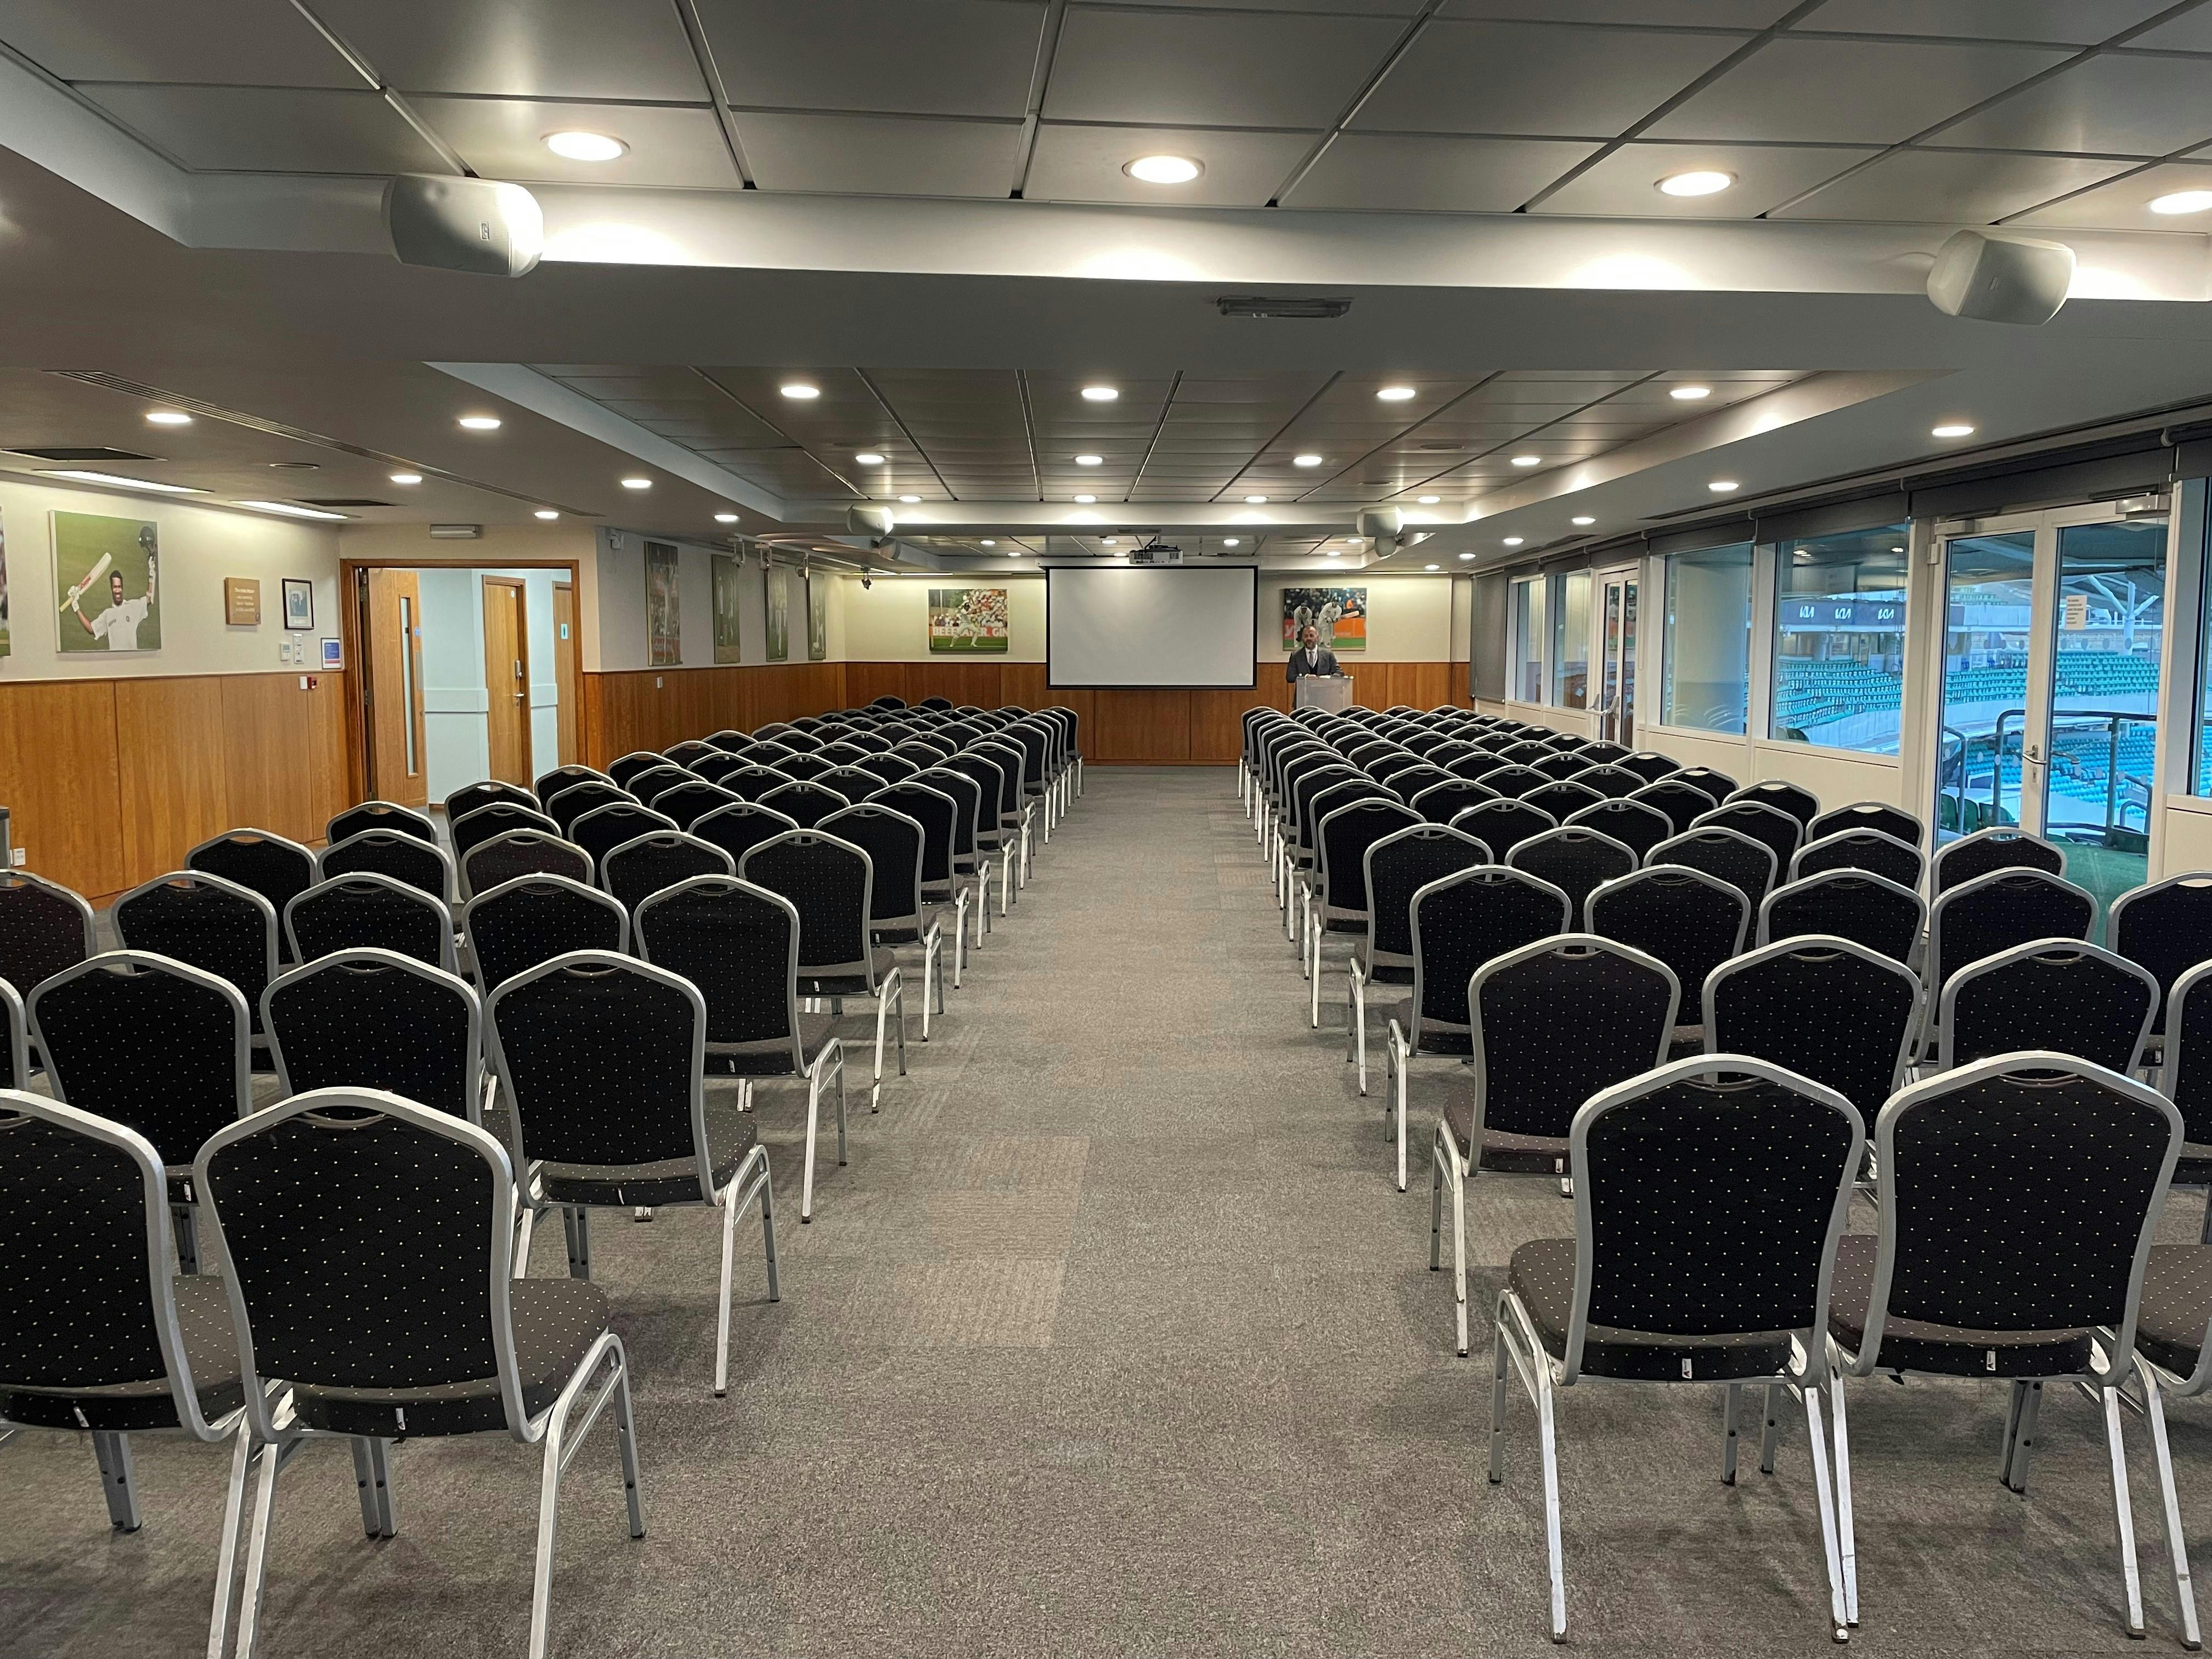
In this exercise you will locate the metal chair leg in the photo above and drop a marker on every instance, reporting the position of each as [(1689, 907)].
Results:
[(233, 1520), (2122, 1510), (1837, 1619), (119, 1480), (1728, 1432), (2176, 1548)]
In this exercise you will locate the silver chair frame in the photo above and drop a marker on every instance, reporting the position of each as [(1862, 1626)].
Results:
[(448, 958), (472, 1075), (2000, 960)]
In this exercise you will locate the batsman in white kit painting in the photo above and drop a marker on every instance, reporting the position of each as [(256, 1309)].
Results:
[(107, 578)]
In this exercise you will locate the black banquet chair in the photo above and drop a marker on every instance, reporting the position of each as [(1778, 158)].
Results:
[(1746, 864), (474, 797), (581, 797), (602, 828), (497, 818), (1870, 850), (1503, 825), (1576, 860), (1853, 904), (420, 863), (2000, 847), (2049, 993), (375, 1019), (1688, 919), (659, 859), (379, 815), (370, 911), (205, 923), (1823, 1007), (522, 923), (278, 869), (1398, 866), (1878, 816), (44, 928), (1991, 913), (522, 853)]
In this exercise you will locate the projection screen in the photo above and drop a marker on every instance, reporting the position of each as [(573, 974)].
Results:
[(1181, 626)]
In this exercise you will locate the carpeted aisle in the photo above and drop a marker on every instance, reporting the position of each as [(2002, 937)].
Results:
[(1113, 1339)]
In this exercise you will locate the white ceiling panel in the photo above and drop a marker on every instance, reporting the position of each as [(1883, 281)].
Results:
[(2124, 203), (674, 148), (1451, 175), (911, 56), (271, 130), (2064, 23), (543, 49), (1084, 164), (1939, 186), (2142, 105), (880, 155), (230, 42), (1535, 78), (1626, 182), (1212, 67), (2191, 32), (1402, 9), (1746, 15), (1850, 92)]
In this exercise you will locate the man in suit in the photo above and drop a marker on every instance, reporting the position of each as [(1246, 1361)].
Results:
[(1311, 657)]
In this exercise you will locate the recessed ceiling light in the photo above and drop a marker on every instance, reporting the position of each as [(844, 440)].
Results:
[(726, 518), (168, 417), (480, 423), (1305, 460), (1255, 500), (407, 477), (1230, 541), (1012, 553), (1394, 394), (799, 389), (288, 510), (1089, 460), (1332, 552), (1102, 394), (1084, 501), (585, 146), (1428, 500), (1689, 394), (868, 458), (1163, 169), (1584, 517), (1515, 541), (2182, 201), (1703, 182), (1466, 556), (910, 500), (117, 478), (1952, 429), (1528, 460), (637, 484), (1109, 541), (547, 513), (1432, 567), (1723, 486), (986, 542)]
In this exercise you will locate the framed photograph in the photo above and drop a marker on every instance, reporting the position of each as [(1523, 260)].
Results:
[(779, 613), (5, 645), (817, 618), (663, 607), (299, 605), (964, 620), (106, 571), (333, 657), (1338, 615), (724, 570)]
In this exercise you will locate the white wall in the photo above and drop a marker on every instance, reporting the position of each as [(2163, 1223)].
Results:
[(889, 622), (618, 640), (1409, 618), (197, 547), (456, 699)]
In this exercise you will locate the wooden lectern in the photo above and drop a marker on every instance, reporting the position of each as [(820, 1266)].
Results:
[(1332, 692)]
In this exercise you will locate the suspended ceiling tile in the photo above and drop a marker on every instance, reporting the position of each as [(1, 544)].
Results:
[(1626, 182), (1084, 164), (1402, 9), (504, 138), (2065, 22), (2124, 203), (2136, 106), (1850, 92), (880, 155), (225, 42), (911, 56), (271, 130), (2190, 32), (545, 49), (1951, 186), (1216, 68), (1682, 14), (1436, 174), (1534, 78)]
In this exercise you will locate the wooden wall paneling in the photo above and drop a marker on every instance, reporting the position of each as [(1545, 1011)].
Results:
[(1217, 725), (172, 770), (329, 779), (58, 781), (866, 681), (273, 729), (1024, 683), (1143, 726)]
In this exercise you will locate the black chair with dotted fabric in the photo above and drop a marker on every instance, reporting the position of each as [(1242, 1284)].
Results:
[(805, 769), (1451, 751), (2019, 1197), (2166, 928), (99, 1331), (1458, 922), (1563, 799), (1440, 803), (379, 815), (1530, 1071), (804, 804), (632, 765), (565, 777), (1304, 780), (1878, 816), (1689, 919), (741, 826), (1559, 765), (715, 767), (474, 797), (475, 829), (1576, 860), (1527, 751), (278, 869), (44, 928), (602, 1059), (582, 797), (1871, 850), (1801, 804), (728, 740), (1827, 1008), (1708, 1205), (522, 853), (520, 924), (687, 803), (739, 944), (888, 768), (1613, 782), (751, 781), (1502, 826), (897, 846), (650, 782), (370, 911), (633, 872), (347, 1199), (602, 828), (2060, 995), (1853, 904), (950, 808), (869, 743), (1398, 865), (853, 782), (1993, 913), (421, 865), (204, 922), (14, 1039), (1683, 804), (1718, 785), (1636, 826), (2001, 847), (1412, 780), (1772, 828), (1748, 865), (691, 749), (1647, 764), (1333, 899), (376, 1019)]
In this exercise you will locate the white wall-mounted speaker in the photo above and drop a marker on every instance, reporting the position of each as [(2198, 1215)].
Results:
[(476, 225), (868, 521), (1997, 278), (1382, 526)]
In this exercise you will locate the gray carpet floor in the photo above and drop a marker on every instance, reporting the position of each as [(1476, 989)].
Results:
[(1114, 1338)]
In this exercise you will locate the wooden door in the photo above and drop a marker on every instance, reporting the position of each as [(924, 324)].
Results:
[(507, 680), (398, 768), (564, 667)]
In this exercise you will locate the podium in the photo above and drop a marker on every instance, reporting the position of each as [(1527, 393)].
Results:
[(1329, 692)]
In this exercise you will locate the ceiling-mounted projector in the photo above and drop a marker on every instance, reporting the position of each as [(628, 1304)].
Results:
[(475, 225), (1998, 278)]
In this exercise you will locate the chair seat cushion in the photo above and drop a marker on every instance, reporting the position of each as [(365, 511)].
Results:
[(1920, 1345), (1390, 970), (210, 1350), (670, 1180), (2177, 1299), (1435, 1039), (1506, 1154), (846, 985), (555, 1322), (1542, 1275), (772, 1058)]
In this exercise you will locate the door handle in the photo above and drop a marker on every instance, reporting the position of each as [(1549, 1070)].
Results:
[(519, 697)]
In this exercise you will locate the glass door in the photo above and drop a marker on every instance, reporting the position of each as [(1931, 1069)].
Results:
[(1615, 642)]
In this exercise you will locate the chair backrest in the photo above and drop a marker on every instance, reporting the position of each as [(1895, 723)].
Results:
[(1688, 919), (562, 777), (1772, 828), (638, 761), (804, 804), (1533, 1070), (1718, 785), (1613, 782), (1860, 849), (471, 830), (492, 863), (1728, 853), (715, 767), (2166, 928), (650, 782), (419, 864), (375, 1019), (88, 1300), (44, 928), (1576, 860), (1514, 781), (691, 749), (1398, 865), (1562, 800), (14, 1039), (1636, 826), (469, 797), (688, 802), (1502, 826), (829, 883), (205, 923), (370, 911), (868, 743), (266, 863), (1647, 764), (1799, 803), (1440, 803), (514, 926), (1825, 1007), (2185, 1078), (2059, 994), (950, 844), (1342, 841), (1997, 849), (1891, 821), (1975, 1167), (379, 815), (580, 797), (158, 1046), (741, 826), (888, 768), (851, 781), (602, 828), (1461, 922), (1993, 913), (1757, 1165), (751, 781), (895, 844), (1527, 751), (1853, 904), (738, 944), (1683, 804), (639, 868)]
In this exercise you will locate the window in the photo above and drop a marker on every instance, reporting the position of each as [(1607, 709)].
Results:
[(1527, 683), (1570, 637), (1706, 682), (1839, 639)]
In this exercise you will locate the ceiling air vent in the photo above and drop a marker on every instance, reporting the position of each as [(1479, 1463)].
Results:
[(84, 452), (1440, 447), (456, 532), (1312, 306), (340, 501)]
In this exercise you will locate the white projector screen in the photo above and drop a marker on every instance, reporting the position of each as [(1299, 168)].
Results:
[(1182, 626)]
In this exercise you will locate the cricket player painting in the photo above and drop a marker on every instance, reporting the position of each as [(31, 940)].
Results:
[(106, 572)]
